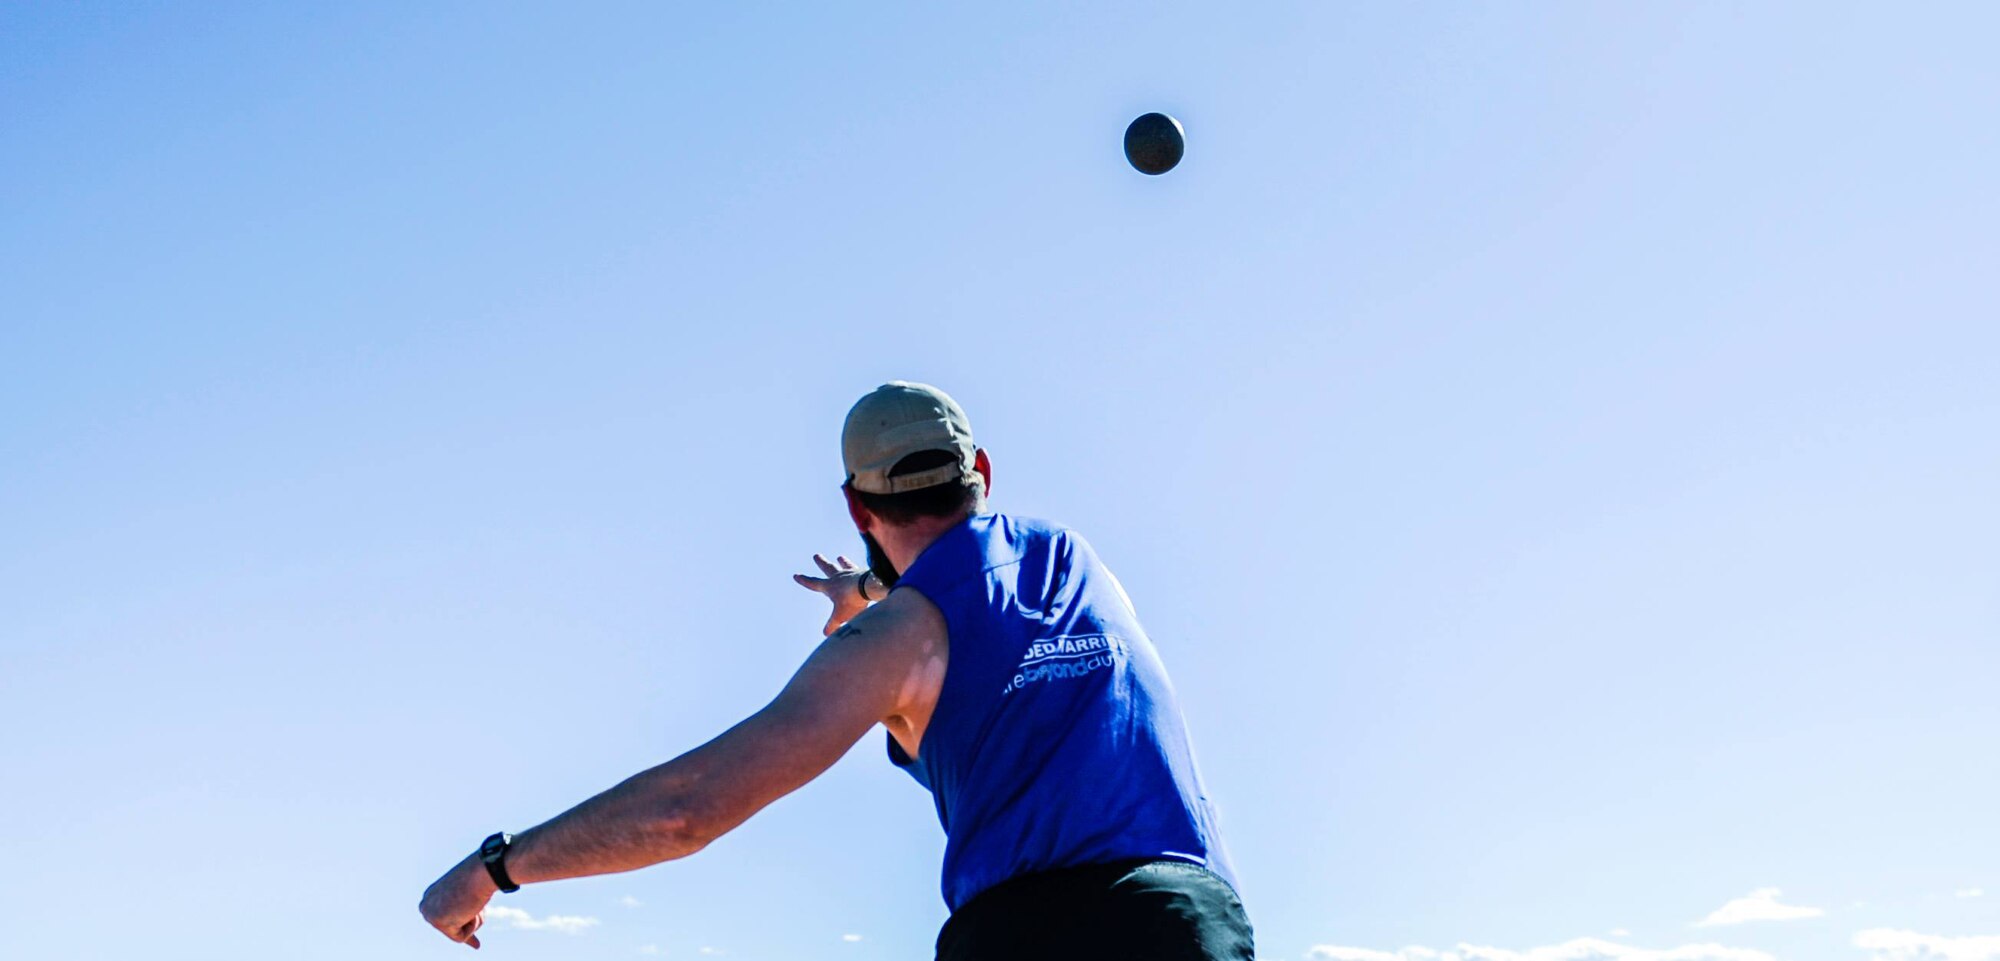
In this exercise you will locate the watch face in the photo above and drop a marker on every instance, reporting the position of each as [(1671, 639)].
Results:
[(493, 846)]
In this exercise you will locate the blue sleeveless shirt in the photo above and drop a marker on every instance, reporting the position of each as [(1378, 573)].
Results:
[(1056, 740)]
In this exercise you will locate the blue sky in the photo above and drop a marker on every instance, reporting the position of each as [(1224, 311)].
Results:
[(1554, 448)]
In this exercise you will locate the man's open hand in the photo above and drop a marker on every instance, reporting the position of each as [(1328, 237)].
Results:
[(456, 903), (841, 585)]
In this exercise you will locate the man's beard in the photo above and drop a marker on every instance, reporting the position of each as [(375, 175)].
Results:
[(878, 561)]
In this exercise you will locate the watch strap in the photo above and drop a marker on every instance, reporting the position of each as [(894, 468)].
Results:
[(493, 853)]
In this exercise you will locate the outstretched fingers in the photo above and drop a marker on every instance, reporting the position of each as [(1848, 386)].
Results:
[(841, 585), (833, 569)]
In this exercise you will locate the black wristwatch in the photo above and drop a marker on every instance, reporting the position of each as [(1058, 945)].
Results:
[(493, 852)]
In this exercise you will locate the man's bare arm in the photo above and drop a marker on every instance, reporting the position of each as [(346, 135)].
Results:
[(854, 680)]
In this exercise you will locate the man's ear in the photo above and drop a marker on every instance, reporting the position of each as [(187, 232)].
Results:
[(860, 514), (983, 466)]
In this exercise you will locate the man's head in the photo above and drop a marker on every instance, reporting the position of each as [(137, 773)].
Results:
[(911, 466)]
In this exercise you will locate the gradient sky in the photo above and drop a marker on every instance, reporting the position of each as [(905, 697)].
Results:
[(1555, 449)]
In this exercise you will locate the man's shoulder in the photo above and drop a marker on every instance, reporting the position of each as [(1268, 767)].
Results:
[(1018, 526), (989, 542)]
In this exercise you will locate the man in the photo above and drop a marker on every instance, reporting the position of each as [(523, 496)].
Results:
[(1016, 685)]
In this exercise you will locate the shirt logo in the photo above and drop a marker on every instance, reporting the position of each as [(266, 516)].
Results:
[(1060, 658)]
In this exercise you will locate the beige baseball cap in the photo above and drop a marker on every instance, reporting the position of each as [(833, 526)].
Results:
[(896, 420)]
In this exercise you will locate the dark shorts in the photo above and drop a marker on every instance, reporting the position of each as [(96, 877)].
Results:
[(1128, 911)]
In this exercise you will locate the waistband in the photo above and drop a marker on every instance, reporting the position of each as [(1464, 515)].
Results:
[(1085, 877)]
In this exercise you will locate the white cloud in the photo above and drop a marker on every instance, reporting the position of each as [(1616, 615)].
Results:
[(1761, 905), (630, 901), (1890, 944), (1969, 892), (850, 938), (1336, 952), (649, 949), (522, 920), (705, 949), (1580, 949), (1620, 933)]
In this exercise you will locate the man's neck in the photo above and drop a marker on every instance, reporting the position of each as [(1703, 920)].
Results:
[(904, 543)]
